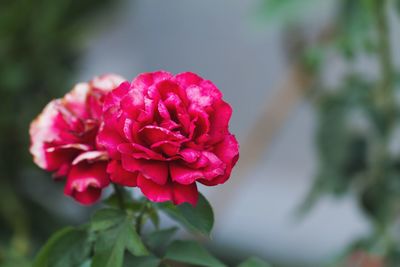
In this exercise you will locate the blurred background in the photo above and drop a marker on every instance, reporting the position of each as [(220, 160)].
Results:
[(314, 88)]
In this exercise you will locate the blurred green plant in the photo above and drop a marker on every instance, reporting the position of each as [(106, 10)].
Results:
[(40, 43), (358, 131), (115, 237)]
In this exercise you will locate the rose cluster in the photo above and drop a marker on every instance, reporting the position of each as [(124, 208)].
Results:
[(162, 133)]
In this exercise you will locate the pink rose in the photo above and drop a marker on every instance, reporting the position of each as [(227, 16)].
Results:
[(63, 139), (165, 133)]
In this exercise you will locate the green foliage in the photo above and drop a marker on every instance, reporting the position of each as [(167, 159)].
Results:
[(115, 233), (343, 143), (356, 125), (68, 247), (147, 261), (123, 196), (159, 239), (110, 234), (355, 22), (40, 45), (106, 218), (287, 11), (358, 121), (197, 219), (12, 259), (254, 262), (192, 253), (113, 237)]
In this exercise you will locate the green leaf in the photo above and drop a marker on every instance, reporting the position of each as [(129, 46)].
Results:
[(111, 245), (129, 202), (288, 11), (133, 242), (147, 261), (160, 238), (11, 258), (254, 262), (397, 5), (110, 257), (192, 253), (106, 218), (154, 217), (68, 247), (197, 219), (87, 263)]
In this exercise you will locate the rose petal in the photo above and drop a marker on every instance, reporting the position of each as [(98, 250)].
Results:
[(154, 191), (86, 181), (59, 156), (130, 129), (213, 166), (41, 131), (169, 88), (203, 95), (106, 82), (143, 81), (167, 147), (110, 139), (157, 171), (163, 111), (138, 151), (113, 99), (183, 174), (146, 115), (99, 87), (154, 134), (90, 157), (228, 152), (207, 167), (219, 121), (62, 171), (75, 101), (189, 155), (119, 175), (201, 127), (187, 79), (185, 193), (177, 111), (133, 103), (170, 125)]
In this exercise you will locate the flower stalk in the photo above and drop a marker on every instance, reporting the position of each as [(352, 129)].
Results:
[(120, 197), (385, 96)]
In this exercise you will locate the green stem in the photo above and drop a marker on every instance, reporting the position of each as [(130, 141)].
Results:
[(386, 105), (386, 99), (122, 206), (120, 196), (384, 43), (139, 219)]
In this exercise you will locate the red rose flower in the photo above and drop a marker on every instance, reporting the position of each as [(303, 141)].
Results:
[(63, 139), (165, 133)]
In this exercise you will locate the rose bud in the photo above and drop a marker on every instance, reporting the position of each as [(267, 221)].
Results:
[(165, 133), (63, 139)]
